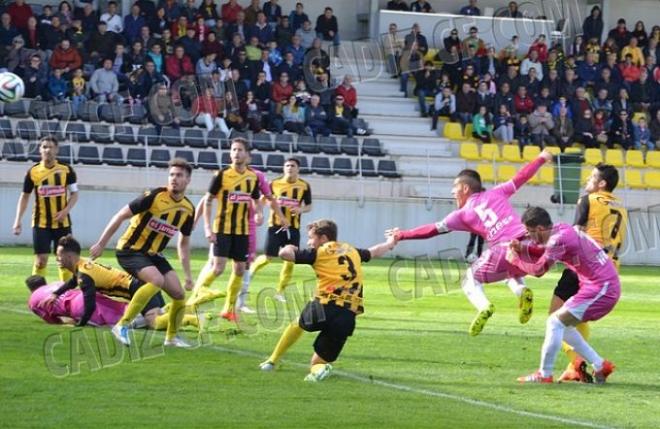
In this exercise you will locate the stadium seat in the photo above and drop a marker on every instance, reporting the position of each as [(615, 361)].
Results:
[(573, 150), (511, 153), (262, 142), (547, 175), (367, 166), (350, 146), (307, 144), (635, 158), (185, 116), (430, 54), (65, 154), (77, 132), (187, 155), (486, 171), (14, 151), (125, 134), (652, 179), (51, 128), (171, 136), (633, 178), (100, 133), (467, 132), (593, 156), (555, 150), (235, 134), (304, 166), (32, 151), (39, 109), (159, 158), (113, 155), (343, 167), (137, 114), (275, 163), (505, 172), (6, 131), (62, 112), (136, 157), (284, 143), (321, 165), (194, 137), (207, 160), (490, 152), (17, 109), (148, 136), (89, 111), (27, 130), (614, 157), (89, 155), (328, 145), (585, 173), (470, 151), (653, 159), (257, 161), (372, 147), (387, 168), (530, 153), (225, 160), (216, 139), (111, 113), (453, 131)]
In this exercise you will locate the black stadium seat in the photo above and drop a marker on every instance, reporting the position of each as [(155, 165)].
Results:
[(284, 143), (113, 155), (262, 142), (368, 168), (304, 166), (148, 136), (387, 168), (307, 144), (5, 129), (17, 109), (111, 113), (275, 163), (257, 161), (89, 155), (89, 111), (100, 133), (225, 160), (65, 154), (159, 158), (207, 160), (76, 131), (39, 109), (124, 134), (216, 139), (185, 154), (372, 147), (52, 128), (194, 137), (329, 145), (32, 151), (171, 137), (349, 146), (14, 151), (342, 166), (27, 130), (321, 165), (136, 157), (137, 114)]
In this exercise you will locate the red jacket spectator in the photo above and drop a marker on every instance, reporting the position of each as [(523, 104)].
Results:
[(176, 68), (229, 11), (523, 105), (281, 92), (541, 48), (20, 13), (348, 92), (65, 58), (206, 105), (630, 73)]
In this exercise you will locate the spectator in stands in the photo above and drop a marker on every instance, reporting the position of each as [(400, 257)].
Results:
[(327, 27), (133, 24), (452, 40), (504, 97), (262, 30), (209, 11), (137, 55), (424, 86), (511, 11), (445, 105), (281, 91), (563, 129), (190, 11), (104, 84), (342, 119), (643, 93), (584, 130), (474, 43), (233, 116), (283, 33), (178, 65), (348, 92), (230, 11), (251, 12), (652, 50), (471, 9), (121, 64), (20, 12), (620, 34), (481, 125), (532, 61), (57, 86), (297, 17), (561, 103), (579, 103), (273, 12), (523, 132), (602, 102), (172, 9), (297, 50), (158, 23), (532, 83), (205, 106), (306, 34), (393, 45), (206, 65), (31, 35), (397, 5), (50, 35), (523, 103), (90, 18), (570, 84), (593, 25), (629, 70), (601, 128), (541, 125), (237, 85), (18, 56), (35, 77), (466, 104), (634, 51), (638, 33), (66, 58), (544, 98), (191, 45), (179, 27), (289, 67), (316, 117), (421, 6), (588, 70), (503, 124), (622, 103), (78, 97), (101, 43), (485, 98), (655, 129), (642, 135), (161, 109), (293, 118), (157, 57), (113, 19), (251, 113), (263, 65), (621, 131)]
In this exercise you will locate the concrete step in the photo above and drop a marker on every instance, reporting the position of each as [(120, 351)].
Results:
[(409, 127), (416, 146), (390, 106), (378, 88), (435, 168)]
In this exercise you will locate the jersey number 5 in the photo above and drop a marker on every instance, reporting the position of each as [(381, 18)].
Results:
[(487, 216)]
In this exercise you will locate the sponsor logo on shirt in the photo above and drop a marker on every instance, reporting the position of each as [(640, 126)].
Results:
[(48, 191), (498, 227), (237, 197), (162, 227), (288, 202)]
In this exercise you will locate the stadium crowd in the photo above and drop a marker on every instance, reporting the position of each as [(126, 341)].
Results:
[(603, 91), (238, 66)]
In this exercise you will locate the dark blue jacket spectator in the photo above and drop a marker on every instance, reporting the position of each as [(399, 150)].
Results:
[(471, 9), (272, 11), (133, 25), (296, 19)]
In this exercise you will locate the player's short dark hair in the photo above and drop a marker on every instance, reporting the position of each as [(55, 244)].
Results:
[(536, 216), (242, 141), (35, 282), (49, 138), (609, 174), (181, 163), (324, 227), (471, 178), (296, 160), (69, 244)]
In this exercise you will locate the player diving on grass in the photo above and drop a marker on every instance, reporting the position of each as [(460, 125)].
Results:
[(490, 215), (598, 293), (337, 299)]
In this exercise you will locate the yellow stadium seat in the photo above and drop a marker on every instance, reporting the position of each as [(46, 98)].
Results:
[(634, 179), (547, 175), (530, 153), (505, 172), (585, 174), (553, 150), (653, 159), (469, 151), (614, 157), (635, 158), (487, 172), (430, 54), (453, 131), (468, 131), (511, 153), (490, 152), (573, 150), (652, 179), (593, 156)]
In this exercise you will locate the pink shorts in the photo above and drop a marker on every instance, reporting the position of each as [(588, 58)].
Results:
[(594, 301), (493, 267), (107, 311)]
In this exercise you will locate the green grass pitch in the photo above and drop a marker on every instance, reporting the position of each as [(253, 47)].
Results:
[(410, 363)]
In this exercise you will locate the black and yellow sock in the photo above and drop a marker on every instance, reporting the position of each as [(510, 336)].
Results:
[(285, 275), (290, 335), (139, 300)]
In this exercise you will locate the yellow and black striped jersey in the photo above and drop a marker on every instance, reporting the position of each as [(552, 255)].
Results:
[(157, 218), (104, 279), (51, 188), (338, 268), (289, 195), (605, 220), (235, 192)]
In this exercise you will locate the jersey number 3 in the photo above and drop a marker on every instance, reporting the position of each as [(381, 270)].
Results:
[(487, 216)]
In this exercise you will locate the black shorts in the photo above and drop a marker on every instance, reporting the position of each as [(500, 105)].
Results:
[(132, 262), (42, 238), (232, 246), (156, 301), (568, 285), (277, 240), (335, 323)]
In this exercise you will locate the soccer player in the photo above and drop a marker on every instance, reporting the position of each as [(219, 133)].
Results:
[(599, 289), (337, 300), (155, 217), (55, 194), (294, 195), (490, 215), (601, 216)]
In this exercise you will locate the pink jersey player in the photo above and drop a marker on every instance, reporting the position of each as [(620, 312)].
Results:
[(264, 187)]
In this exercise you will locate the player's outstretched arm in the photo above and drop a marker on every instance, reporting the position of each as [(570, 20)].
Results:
[(419, 233), (380, 249), (97, 249), (528, 171)]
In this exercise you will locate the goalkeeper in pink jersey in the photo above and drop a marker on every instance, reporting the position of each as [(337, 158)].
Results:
[(490, 215), (598, 293)]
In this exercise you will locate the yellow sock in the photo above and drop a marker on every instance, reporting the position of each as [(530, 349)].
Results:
[(285, 275), (207, 278), (258, 264), (36, 271), (583, 329), (233, 287), (175, 316), (190, 320), (139, 300), (160, 324), (65, 275), (290, 335)]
